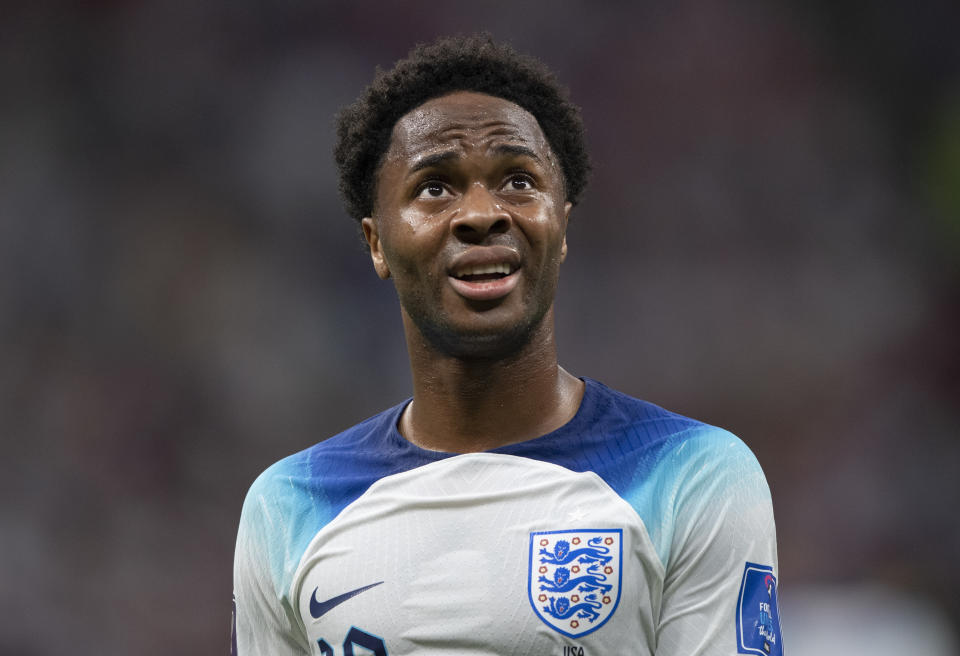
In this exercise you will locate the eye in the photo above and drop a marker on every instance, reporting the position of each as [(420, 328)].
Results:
[(519, 182), (432, 189)]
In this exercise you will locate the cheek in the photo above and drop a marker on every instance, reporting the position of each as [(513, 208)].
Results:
[(412, 243), (550, 224), (420, 226)]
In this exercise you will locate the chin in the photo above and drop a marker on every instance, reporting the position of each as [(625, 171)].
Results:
[(489, 342), (480, 347)]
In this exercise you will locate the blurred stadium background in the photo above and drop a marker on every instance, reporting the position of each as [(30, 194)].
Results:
[(771, 243)]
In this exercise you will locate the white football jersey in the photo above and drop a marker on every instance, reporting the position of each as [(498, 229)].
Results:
[(630, 530)]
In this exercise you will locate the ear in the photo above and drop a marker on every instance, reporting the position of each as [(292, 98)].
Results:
[(566, 221), (372, 236)]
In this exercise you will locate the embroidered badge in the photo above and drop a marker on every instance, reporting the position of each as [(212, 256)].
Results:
[(573, 578), (758, 619)]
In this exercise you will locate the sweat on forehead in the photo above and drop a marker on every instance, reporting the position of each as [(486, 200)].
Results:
[(468, 119)]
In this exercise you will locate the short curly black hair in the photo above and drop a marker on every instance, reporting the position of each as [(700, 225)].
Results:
[(464, 63)]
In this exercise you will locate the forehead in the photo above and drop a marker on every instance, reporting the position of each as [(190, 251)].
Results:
[(465, 119)]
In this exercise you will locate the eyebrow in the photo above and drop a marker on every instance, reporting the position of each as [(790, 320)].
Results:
[(516, 149), (434, 160)]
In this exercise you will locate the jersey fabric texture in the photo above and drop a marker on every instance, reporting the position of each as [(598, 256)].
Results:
[(629, 530)]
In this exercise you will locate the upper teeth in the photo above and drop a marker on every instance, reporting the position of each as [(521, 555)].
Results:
[(485, 269)]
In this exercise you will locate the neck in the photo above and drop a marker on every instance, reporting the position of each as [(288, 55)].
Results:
[(464, 405)]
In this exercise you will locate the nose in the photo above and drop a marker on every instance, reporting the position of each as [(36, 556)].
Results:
[(481, 214)]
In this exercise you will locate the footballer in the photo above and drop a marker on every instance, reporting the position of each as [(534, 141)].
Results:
[(509, 506)]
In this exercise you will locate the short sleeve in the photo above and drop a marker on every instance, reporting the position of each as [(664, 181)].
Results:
[(722, 564), (264, 620)]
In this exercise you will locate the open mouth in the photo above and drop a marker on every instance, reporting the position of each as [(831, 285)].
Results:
[(485, 282), (484, 273)]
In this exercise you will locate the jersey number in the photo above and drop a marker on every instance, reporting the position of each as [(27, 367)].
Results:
[(358, 638)]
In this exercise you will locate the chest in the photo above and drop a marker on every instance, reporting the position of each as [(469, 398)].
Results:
[(482, 558)]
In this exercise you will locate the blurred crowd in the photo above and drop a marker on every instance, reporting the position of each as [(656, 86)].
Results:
[(770, 242)]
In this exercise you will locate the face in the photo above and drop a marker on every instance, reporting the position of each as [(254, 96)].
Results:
[(470, 221)]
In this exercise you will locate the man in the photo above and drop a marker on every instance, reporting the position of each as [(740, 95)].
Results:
[(509, 507)]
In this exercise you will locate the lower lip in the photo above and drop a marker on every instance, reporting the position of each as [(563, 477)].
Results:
[(486, 290)]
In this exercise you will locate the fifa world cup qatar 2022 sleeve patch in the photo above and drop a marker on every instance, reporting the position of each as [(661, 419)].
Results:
[(758, 618)]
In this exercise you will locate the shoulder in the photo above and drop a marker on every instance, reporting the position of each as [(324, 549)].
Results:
[(674, 444), (314, 481), (303, 478), (673, 469), (618, 410), (648, 442), (709, 453), (297, 496), (714, 498)]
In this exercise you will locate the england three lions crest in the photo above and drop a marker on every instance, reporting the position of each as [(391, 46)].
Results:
[(573, 579)]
